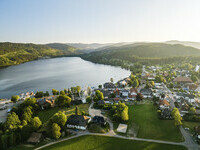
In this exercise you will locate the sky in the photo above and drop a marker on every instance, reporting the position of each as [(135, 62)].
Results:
[(99, 21)]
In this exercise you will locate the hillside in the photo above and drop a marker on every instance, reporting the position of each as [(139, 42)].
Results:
[(64, 47), (185, 43), (16, 53), (144, 53)]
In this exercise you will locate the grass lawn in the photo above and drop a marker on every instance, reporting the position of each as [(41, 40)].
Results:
[(190, 125), (45, 115), (91, 142), (149, 126)]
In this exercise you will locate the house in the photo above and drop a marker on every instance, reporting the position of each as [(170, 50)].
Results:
[(35, 138), (109, 85), (98, 120), (132, 94), (124, 82), (188, 97), (78, 122), (146, 92), (182, 80), (125, 93), (163, 104), (45, 103)]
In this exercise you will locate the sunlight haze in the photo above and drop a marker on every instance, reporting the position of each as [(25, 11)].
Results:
[(101, 21)]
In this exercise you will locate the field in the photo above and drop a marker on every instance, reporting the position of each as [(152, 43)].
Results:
[(106, 143), (190, 125), (144, 117), (47, 114)]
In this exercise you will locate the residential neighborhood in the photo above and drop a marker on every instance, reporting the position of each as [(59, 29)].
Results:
[(105, 108)]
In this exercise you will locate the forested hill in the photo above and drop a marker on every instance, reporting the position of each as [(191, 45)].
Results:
[(16, 53), (63, 47), (144, 53)]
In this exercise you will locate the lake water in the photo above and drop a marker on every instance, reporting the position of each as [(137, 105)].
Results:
[(58, 73)]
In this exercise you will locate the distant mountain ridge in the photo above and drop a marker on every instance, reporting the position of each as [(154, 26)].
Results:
[(185, 43), (16, 53), (144, 53)]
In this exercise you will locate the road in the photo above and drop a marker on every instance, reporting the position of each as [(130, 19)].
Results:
[(171, 97), (4, 114)]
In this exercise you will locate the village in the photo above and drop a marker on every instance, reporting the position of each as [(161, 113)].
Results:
[(105, 109)]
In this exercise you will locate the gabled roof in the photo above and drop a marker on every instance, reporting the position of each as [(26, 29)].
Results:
[(78, 120), (164, 102), (98, 119), (183, 79)]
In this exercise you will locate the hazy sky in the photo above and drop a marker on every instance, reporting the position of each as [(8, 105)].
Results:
[(102, 21)]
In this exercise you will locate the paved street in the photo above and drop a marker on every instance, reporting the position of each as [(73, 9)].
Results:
[(4, 114)]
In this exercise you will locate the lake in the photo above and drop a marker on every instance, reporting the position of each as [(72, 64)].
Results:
[(57, 73)]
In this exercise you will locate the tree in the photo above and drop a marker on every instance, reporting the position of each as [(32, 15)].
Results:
[(152, 83), (111, 80), (148, 85), (12, 121), (78, 89), (162, 95), (194, 78), (36, 123), (77, 111), (60, 118), (100, 86), (124, 115), (177, 117), (46, 94), (56, 131), (89, 90), (139, 97), (62, 92), (88, 99), (39, 94), (135, 83), (27, 114), (192, 110), (112, 95), (55, 92), (15, 98), (98, 96), (159, 78), (171, 85), (63, 100)]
